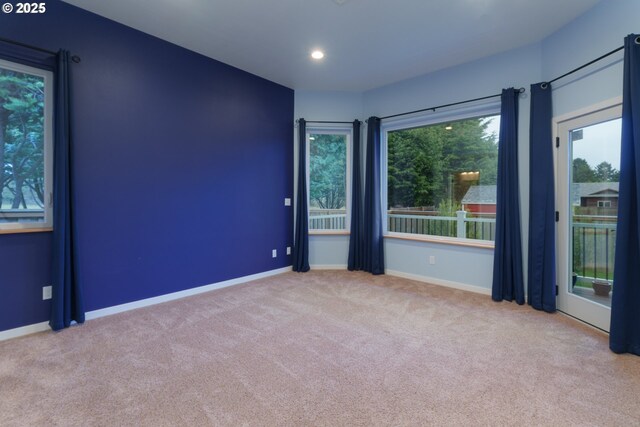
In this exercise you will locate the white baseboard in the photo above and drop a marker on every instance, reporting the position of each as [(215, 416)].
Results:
[(425, 279), (328, 266), (180, 294), (24, 330), (440, 282), (43, 326)]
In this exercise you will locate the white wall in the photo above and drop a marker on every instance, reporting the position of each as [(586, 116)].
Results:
[(486, 76), (326, 250), (595, 33), (341, 106), (589, 36)]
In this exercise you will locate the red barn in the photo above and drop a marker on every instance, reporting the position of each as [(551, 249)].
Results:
[(480, 199)]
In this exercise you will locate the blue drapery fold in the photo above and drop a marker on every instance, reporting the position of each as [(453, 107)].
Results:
[(66, 301), (373, 260), (624, 336), (507, 262), (301, 235), (355, 237), (541, 288)]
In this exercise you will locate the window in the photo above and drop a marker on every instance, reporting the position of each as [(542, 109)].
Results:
[(604, 203), (329, 181), (25, 147), (441, 177)]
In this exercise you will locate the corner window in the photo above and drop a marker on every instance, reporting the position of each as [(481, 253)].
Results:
[(441, 178), (25, 147), (329, 162)]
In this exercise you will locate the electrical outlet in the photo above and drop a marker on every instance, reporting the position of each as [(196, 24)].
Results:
[(432, 260), (46, 292), (274, 253), (287, 201), (288, 250)]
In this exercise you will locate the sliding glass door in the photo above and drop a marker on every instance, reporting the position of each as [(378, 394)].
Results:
[(588, 162)]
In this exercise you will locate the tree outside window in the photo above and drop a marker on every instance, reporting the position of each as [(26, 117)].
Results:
[(23, 191), (441, 178), (328, 181)]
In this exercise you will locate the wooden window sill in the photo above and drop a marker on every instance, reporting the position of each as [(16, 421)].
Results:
[(26, 230), (329, 233), (441, 240)]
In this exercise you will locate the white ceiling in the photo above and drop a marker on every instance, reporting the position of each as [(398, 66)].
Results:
[(368, 43)]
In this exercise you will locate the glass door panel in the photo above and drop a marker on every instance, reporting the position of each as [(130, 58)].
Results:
[(588, 174)]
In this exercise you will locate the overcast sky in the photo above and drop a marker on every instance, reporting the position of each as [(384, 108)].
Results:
[(600, 143), (494, 126)]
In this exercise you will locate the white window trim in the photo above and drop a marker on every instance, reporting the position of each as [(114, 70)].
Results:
[(426, 119), (47, 224), (332, 130)]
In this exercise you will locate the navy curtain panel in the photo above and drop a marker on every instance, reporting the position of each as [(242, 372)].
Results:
[(301, 235), (66, 301), (373, 259), (542, 240), (355, 238), (624, 336), (507, 262)]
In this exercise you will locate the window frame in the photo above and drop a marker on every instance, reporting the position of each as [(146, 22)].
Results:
[(332, 130), (47, 224), (490, 108)]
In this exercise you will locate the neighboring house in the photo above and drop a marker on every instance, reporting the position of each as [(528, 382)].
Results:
[(480, 199), (595, 195)]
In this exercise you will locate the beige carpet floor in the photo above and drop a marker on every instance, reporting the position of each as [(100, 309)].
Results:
[(321, 348)]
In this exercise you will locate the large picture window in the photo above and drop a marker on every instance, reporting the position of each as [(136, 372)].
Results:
[(25, 147), (329, 190), (441, 178)]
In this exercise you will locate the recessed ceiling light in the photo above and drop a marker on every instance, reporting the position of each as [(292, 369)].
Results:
[(317, 54)]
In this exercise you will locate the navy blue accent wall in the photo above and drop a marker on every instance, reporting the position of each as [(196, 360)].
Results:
[(25, 266), (181, 165)]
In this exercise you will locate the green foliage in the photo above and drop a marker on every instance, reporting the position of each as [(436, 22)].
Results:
[(448, 208), (603, 172), (415, 166), (424, 164), (21, 139), (582, 172), (327, 171)]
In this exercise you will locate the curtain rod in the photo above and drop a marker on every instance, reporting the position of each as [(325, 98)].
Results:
[(74, 58), (521, 90), (585, 65), (325, 121)]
